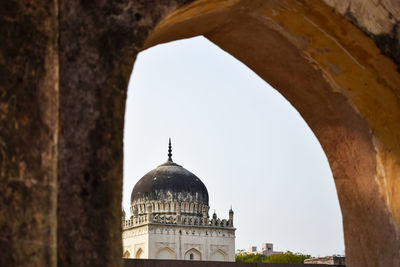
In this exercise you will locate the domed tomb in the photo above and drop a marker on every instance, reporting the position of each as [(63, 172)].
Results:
[(170, 182), (170, 220), (167, 187)]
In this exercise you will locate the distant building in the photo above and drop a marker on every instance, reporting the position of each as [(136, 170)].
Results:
[(169, 208), (339, 261), (252, 250), (267, 249)]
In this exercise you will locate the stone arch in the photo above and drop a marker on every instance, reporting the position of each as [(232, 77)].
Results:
[(126, 254), (166, 254), (191, 208), (187, 207), (333, 92), (219, 255), (332, 73), (139, 254), (193, 254)]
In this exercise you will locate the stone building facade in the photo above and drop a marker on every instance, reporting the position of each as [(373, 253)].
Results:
[(339, 261), (267, 249), (170, 219)]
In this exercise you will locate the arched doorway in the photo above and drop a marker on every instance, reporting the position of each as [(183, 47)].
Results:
[(275, 149), (218, 255), (331, 72), (166, 254), (72, 106), (344, 124), (193, 254)]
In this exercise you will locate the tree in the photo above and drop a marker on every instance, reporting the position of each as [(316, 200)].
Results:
[(287, 257)]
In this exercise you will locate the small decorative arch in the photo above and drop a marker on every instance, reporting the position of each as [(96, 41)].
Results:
[(126, 255), (139, 254), (166, 254), (172, 206), (193, 255), (191, 207), (219, 255)]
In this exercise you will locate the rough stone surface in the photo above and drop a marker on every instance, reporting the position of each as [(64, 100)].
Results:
[(330, 260), (64, 120), (28, 133), (98, 45), (378, 19)]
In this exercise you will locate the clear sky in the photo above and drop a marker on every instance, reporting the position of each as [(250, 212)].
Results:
[(246, 142)]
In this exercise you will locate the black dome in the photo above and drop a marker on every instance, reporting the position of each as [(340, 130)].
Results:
[(170, 182)]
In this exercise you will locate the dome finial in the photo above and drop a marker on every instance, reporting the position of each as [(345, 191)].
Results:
[(169, 150)]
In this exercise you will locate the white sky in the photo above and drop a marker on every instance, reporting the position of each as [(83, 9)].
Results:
[(247, 144)]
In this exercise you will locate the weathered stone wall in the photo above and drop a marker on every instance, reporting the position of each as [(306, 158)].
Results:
[(330, 260), (98, 45), (28, 132), (379, 19), (64, 67)]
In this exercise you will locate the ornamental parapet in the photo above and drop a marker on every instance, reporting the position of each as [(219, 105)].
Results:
[(175, 213)]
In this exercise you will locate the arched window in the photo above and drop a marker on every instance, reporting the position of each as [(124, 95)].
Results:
[(126, 255), (219, 255), (193, 255), (166, 254), (139, 254)]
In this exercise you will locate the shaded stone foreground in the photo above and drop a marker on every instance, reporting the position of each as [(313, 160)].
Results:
[(176, 263), (64, 68)]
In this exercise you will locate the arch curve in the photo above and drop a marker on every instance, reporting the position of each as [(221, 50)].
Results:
[(166, 253), (219, 255), (193, 254), (139, 254), (126, 254), (302, 51)]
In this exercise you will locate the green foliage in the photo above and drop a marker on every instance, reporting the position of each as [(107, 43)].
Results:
[(287, 257), (240, 251), (243, 257)]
